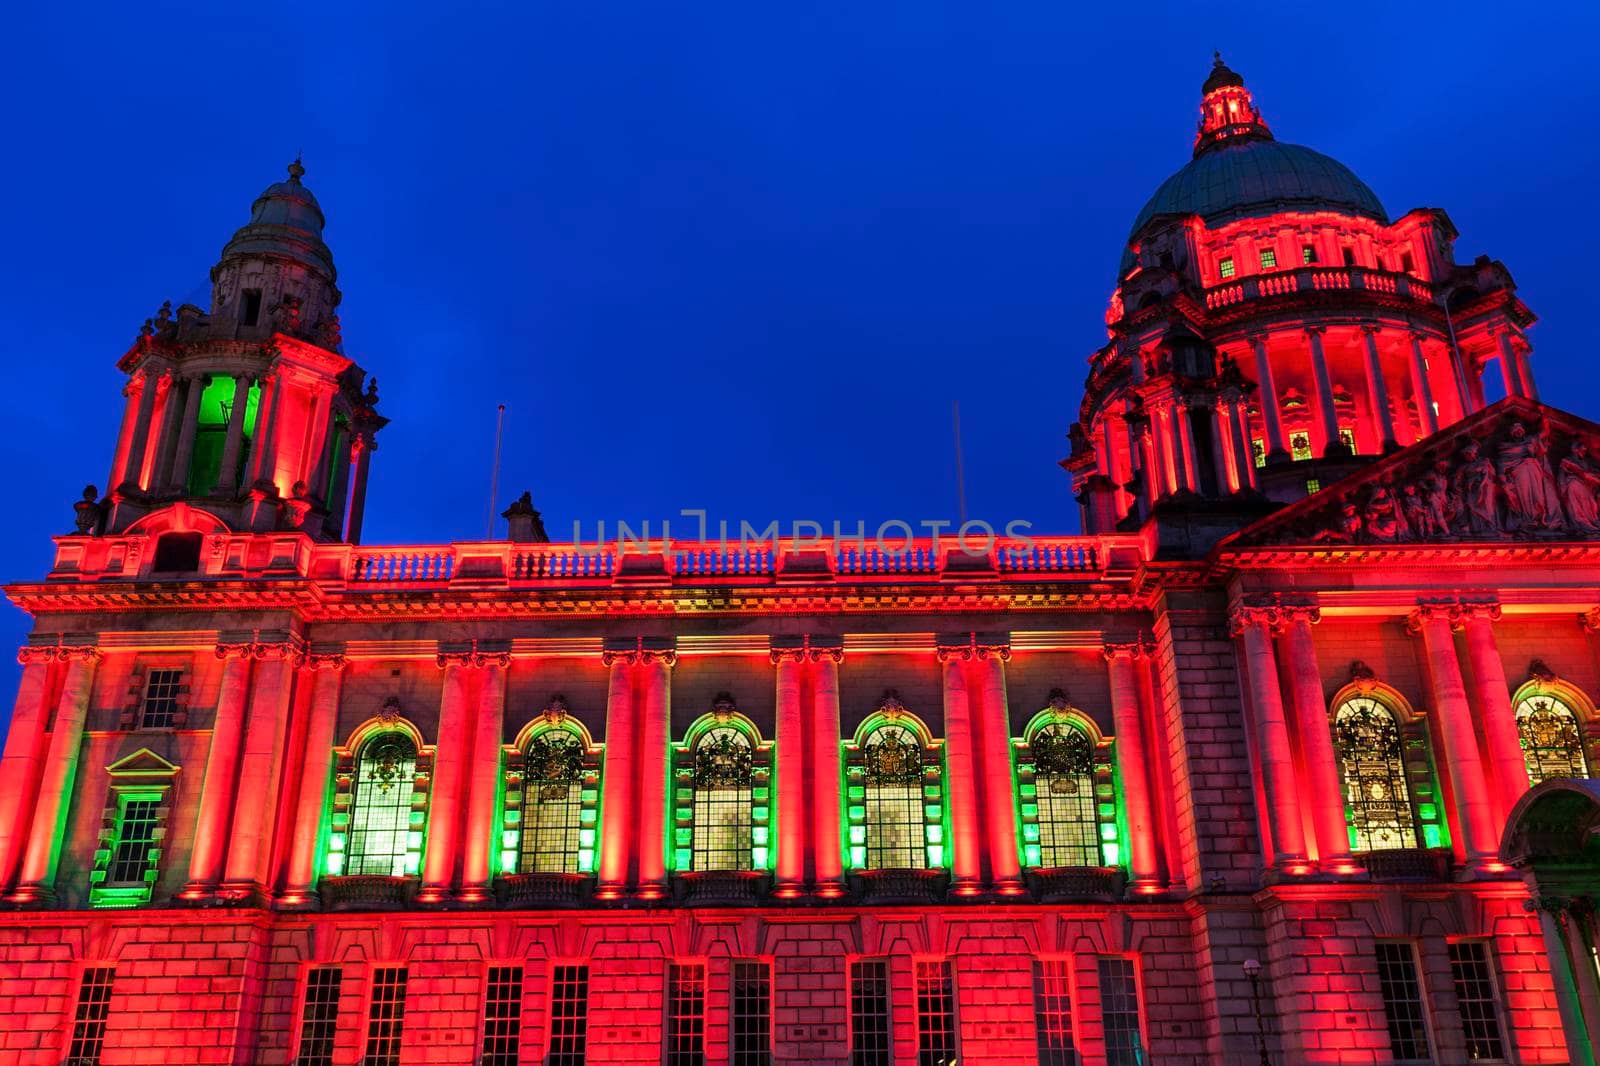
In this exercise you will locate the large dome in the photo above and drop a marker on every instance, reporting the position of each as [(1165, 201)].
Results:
[(1253, 178)]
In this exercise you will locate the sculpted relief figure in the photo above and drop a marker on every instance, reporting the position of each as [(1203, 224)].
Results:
[(1578, 479), (1439, 497), (1419, 515), (1530, 490), (1479, 491), (1384, 520)]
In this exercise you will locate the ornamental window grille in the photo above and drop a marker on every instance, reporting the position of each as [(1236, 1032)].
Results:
[(870, 1043), (90, 1016), (750, 996), (1067, 800), (319, 1016), (1475, 996), (1052, 1011), (552, 823), (936, 1013), (1552, 740), (723, 826), (569, 1016), (894, 818), (386, 1016), (686, 1014), (502, 1016), (1119, 1012), (1368, 746), (1401, 989), (382, 839), (159, 707)]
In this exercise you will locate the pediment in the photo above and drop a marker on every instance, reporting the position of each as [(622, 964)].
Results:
[(1517, 471), (142, 763)]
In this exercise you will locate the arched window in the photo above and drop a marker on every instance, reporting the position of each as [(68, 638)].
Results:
[(1368, 746), (552, 822), (894, 820), (382, 839), (1067, 814), (1552, 740), (724, 829)]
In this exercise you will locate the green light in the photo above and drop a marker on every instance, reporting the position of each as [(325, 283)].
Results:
[(1113, 854), (758, 835), (683, 837), (935, 855), (1030, 831), (336, 842), (1028, 790), (759, 857), (1428, 812), (858, 834), (335, 865), (683, 859), (1030, 810), (858, 856), (1108, 832), (936, 834), (586, 860), (1032, 853), (1431, 836), (856, 792), (760, 814), (413, 863), (586, 838), (933, 812), (508, 862), (858, 814)]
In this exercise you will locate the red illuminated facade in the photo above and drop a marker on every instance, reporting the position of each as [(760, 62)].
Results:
[(1225, 776)]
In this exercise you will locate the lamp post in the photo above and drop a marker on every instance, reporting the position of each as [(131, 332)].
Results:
[(1252, 970)]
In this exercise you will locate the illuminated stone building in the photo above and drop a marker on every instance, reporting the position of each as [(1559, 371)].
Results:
[(1226, 775)]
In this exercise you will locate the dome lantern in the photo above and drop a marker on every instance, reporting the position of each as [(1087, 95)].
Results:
[(1227, 111)]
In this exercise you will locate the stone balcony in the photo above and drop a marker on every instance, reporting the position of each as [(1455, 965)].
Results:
[(1317, 279)]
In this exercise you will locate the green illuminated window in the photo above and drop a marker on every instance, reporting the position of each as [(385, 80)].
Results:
[(1269, 259), (552, 803), (1308, 254), (1225, 267), (127, 862), (211, 430), (1369, 748), (1066, 791), (722, 794), (896, 809), (382, 839), (1300, 445)]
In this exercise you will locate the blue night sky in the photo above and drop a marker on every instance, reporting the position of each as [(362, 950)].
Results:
[(739, 257)]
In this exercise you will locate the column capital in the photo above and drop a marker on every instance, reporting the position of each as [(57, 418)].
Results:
[(1369, 328), (1274, 611), (1130, 650), (57, 653), (335, 661), (804, 649), (640, 650), (1315, 332), (978, 646), (1590, 619), (1457, 613), (259, 650)]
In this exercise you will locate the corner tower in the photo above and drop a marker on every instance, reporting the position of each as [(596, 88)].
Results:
[(249, 411), (1272, 329)]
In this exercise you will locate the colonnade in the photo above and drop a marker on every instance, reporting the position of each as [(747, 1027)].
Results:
[(275, 735)]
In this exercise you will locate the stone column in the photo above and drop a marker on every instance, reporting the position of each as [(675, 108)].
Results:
[(183, 454), (1132, 764), (227, 475), (617, 800), (449, 777), (1421, 390), (483, 786), (827, 847), (361, 448), (24, 757), (993, 711), (962, 776), (1514, 366), (262, 460), (790, 790), (1323, 789), (222, 764), (1150, 467), (133, 390), (1494, 703), (1227, 474), (326, 674), (133, 462), (1464, 763), (655, 690), (1377, 391), (1183, 414), (1271, 410), (1567, 977), (36, 880), (171, 419), (1243, 453), (1327, 418), (1255, 626), (322, 435), (255, 798)]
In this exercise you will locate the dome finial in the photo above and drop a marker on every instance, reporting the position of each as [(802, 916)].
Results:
[(297, 170)]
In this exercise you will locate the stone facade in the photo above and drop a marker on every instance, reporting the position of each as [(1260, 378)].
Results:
[(1223, 778)]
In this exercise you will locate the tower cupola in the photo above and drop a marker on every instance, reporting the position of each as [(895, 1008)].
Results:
[(1226, 110)]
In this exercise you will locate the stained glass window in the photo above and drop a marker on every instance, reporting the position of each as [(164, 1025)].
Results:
[(893, 799), (723, 826), (1372, 768), (1552, 742), (1069, 822), (552, 803), (381, 838)]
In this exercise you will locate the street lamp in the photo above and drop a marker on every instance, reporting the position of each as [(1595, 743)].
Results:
[(1252, 970)]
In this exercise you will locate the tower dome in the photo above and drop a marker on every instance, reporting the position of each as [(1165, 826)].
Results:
[(1240, 171)]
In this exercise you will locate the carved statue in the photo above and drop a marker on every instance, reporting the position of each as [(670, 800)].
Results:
[(1384, 521), (1530, 490), (1479, 490), (1344, 529), (1579, 482), (1440, 499), (1419, 516), (87, 512)]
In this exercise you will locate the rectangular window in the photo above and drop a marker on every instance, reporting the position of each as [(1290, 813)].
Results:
[(1349, 256), (1402, 1002), (936, 1014), (1300, 445), (1347, 437), (319, 1017), (1258, 449), (569, 1016), (1308, 253), (159, 707), (1269, 259), (1407, 264), (1225, 267), (1480, 1010), (1119, 1012), (686, 1014), (89, 1020), (502, 1016), (386, 1016), (1052, 1012), (250, 307), (1313, 485), (751, 1004), (135, 836), (869, 1013)]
